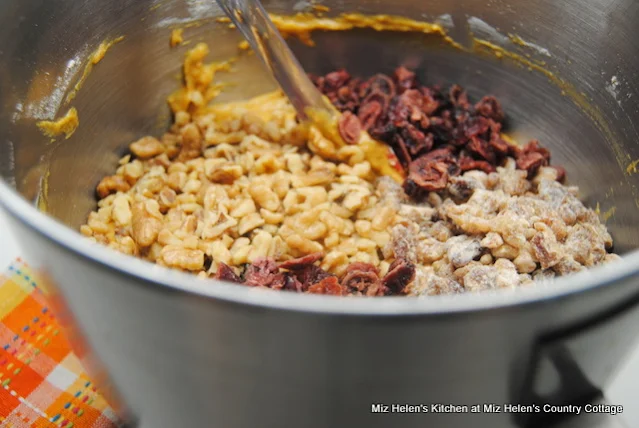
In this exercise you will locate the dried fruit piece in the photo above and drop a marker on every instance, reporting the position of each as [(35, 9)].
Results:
[(349, 127), (360, 276), (371, 110), (225, 273), (405, 79), (400, 273), (491, 108), (532, 157), (302, 262), (311, 274), (425, 175), (261, 273), (327, 285)]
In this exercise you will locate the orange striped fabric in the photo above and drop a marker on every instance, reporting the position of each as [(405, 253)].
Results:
[(42, 382)]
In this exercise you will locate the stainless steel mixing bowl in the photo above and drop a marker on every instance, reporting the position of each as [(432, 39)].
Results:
[(186, 352)]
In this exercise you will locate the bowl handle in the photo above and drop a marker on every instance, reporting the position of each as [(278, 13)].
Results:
[(569, 367)]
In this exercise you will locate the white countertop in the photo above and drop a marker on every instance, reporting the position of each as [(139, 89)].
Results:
[(623, 390)]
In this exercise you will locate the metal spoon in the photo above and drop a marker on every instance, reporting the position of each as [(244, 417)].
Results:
[(256, 26)]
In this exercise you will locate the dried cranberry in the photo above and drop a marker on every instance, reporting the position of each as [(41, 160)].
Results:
[(302, 262), (319, 81), (531, 162), (360, 276), (349, 127), (408, 106), (335, 80), (310, 274), (458, 97), (327, 285), (405, 79), (369, 113), (425, 175), (430, 103), (278, 282), (532, 157), (378, 289), (477, 127), (443, 154), (442, 129), (261, 273), (561, 173), (400, 273), (481, 148), (291, 283), (225, 273), (490, 108), (534, 146), (467, 163), (381, 83), (416, 141), (399, 146), (496, 142)]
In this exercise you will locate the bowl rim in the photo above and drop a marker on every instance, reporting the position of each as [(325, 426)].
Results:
[(145, 273)]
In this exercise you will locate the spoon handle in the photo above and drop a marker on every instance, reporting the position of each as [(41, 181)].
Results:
[(254, 23)]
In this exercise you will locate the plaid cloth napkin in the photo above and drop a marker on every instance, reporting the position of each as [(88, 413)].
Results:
[(42, 382)]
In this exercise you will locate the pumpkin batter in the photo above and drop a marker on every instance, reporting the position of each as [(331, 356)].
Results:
[(66, 125)]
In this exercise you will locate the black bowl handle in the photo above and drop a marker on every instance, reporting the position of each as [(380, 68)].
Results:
[(569, 367)]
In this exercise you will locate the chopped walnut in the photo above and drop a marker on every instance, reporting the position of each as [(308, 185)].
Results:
[(147, 147), (112, 184)]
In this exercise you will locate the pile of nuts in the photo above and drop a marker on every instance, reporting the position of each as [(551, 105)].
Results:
[(497, 230), (234, 192)]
